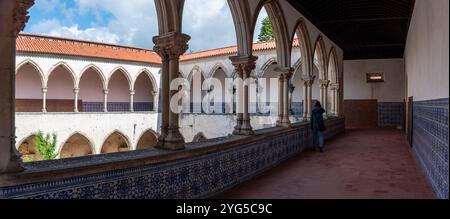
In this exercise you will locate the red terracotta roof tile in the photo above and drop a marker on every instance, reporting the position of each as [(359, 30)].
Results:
[(230, 50), (63, 46)]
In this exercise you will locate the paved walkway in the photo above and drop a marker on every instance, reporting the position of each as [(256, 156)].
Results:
[(362, 163)]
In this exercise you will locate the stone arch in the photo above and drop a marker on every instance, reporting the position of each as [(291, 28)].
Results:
[(320, 58), (97, 70), (282, 38), (266, 66), (124, 72), (148, 139), (195, 100), (196, 69), (199, 137), (35, 66), (150, 76), (333, 66), (67, 68), (27, 148), (243, 26), (306, 59), (115, 142), (145, 88), (119, 87), (217, 66), (169, 14), (91, 84), (77, 145)]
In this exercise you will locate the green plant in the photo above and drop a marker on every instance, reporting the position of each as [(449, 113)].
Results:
[(266, 34), (46, 146), (27, 159)]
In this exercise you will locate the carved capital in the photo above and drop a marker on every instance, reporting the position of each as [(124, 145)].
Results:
[(309, 80), (20, 15), (285, 73), (324, 83), (244, 65), (44, 90), (76, 90), (105, 91), (132, 92), (171, 45), (334, 87)]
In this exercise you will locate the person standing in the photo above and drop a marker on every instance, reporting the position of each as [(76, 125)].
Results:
[(318, 126)]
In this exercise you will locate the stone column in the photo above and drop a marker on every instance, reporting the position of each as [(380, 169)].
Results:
[(308, 82), (281, 80), (76, 91), (335, 99), (13, 16), (244, 65), (284, 115), (155, 95), (170, 47), (44, 99), (105, 100), (324, 95), (132, 93)]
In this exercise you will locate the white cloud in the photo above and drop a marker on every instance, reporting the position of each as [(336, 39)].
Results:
[(208, 22), (53, 27)]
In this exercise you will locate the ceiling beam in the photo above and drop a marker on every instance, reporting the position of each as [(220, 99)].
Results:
[(365, 20)]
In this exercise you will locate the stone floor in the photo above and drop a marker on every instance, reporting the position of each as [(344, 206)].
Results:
[(362, 163)]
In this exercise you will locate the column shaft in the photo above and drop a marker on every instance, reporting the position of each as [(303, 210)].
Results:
[(44, 100)]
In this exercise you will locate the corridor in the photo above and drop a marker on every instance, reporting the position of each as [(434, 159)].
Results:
[(362, 163)]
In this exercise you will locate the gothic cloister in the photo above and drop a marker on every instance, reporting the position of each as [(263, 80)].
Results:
[(242, 129)]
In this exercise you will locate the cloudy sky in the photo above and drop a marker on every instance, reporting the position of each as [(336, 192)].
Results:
[(133, 23)]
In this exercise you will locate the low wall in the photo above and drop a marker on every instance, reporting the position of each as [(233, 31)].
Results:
[(202, 170)]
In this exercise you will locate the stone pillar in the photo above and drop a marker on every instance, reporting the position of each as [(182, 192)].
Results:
[(170, 47), (132, 93), (13, 16), (281, 80), (244, 65), (105, 100), (284, 114), (324, 95), (76, 91), (155, 95), (335, 99), (44, 99), (308, 82)]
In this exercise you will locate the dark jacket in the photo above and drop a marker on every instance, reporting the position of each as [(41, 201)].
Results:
[(317, 123)]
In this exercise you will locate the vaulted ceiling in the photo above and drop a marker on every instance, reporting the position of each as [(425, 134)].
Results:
[(364, 29)]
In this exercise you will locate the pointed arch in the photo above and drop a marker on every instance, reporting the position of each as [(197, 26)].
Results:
[(97, 70), (279, 24), (169, 15), (115, 142), (217, 66), (320, 54), (36, 67), (124, 72), (150, 76), (333, 67), (306, 59), (77, 145), (244, 32), (266, 66), (199, 137), (27, 148), (194, 70), (148, 139), (67, 68)]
